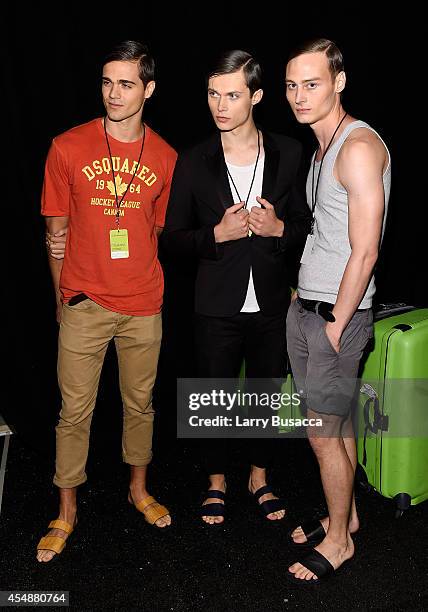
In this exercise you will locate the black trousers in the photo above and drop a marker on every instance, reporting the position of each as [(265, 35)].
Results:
[(222, 343)]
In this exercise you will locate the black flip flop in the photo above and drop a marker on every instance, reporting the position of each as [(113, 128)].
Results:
[(270, 505), (314, 532)]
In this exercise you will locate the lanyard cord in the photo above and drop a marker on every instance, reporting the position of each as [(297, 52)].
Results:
[(254, 174), (314, 196), (118, 203)]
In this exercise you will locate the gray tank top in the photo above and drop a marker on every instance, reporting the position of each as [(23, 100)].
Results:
[(320, 277)]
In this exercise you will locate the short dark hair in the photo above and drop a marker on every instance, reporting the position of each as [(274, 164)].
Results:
[(315, 45), (133, 51), (233, 61)]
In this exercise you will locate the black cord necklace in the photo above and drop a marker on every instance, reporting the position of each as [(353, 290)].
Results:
[(314, 196), (254, 174), (118, 203)]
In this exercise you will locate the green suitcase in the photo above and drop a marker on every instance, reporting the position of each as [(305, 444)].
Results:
[(392, 416)]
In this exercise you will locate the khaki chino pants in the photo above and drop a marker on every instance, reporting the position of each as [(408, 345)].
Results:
[(85, 332)]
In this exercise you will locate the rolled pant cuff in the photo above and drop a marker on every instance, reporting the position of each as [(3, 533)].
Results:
[(137, 461), (69, 484)]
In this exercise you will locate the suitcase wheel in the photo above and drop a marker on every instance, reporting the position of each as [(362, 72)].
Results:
[(402, 503)]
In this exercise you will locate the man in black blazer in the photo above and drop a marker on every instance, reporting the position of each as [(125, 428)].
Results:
[(242, 287)]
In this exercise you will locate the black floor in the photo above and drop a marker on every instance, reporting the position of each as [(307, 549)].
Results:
[(115, 561)]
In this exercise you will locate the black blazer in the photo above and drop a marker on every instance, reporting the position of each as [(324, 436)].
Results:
[(200, 193)]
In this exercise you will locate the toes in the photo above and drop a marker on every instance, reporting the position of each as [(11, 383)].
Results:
[(301, 572), (208, 519), (164, 521), (298, 535), (275, 516), (299, 539), (45, 556), (304, 574), (212, 520)]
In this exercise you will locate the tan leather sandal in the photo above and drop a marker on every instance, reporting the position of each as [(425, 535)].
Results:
[(151, 509), (55, 543)]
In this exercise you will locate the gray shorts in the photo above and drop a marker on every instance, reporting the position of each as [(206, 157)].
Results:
[(326, 379)]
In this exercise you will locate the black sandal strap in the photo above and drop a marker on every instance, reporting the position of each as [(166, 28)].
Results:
[(214, 509), (313, 530), (317, 563), (215, 494), (272, 505), (262, 491)]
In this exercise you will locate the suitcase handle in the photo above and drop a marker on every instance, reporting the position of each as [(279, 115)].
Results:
[(380, 422), (382, 311)]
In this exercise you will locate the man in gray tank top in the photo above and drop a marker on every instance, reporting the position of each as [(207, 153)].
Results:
[(330, 319)]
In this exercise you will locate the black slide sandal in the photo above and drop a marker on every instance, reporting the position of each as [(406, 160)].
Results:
[(214, 508), (316, 563), (270, 505)]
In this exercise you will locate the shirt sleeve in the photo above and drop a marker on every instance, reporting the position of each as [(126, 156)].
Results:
[(162, 200), (56, 184)]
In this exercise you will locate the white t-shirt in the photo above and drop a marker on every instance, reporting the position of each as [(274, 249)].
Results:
[(242, 176)]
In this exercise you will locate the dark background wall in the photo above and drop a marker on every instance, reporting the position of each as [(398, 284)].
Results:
[(52, 77)]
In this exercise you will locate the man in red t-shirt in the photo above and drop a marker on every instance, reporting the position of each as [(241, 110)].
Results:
[(107, 185)]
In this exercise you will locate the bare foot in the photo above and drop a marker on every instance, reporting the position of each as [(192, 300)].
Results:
[(299, 537), (333, 552), (137, 495), (69, 516), (254, 484), (218, 484)]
